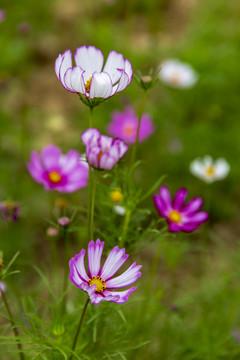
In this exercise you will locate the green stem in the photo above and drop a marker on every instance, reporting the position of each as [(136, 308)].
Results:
[(140, 114), (79, 327), (65, 280), (93, 204), (15, 330), (90, 180), (91, 117), (125, 227)]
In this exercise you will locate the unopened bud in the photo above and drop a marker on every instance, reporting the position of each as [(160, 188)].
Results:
[(52, 231), (64, 221), (146, 79)]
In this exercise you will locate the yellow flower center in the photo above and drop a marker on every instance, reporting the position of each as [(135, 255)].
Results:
[(129, 129), (54, 177), (116, 196), (175, 216), (88, 84), (210, 170), (99, 282), (175, 77)]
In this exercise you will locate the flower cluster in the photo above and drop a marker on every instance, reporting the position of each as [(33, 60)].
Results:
[(102, 152), (63, 173), (178, 74), (89, 77), (99, 282), (209, 170), (124, 125), (179, 216)]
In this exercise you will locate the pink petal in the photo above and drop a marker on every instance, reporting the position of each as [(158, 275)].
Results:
[(179, 199), (94, 257), (114, 261), (127, 278), (122, 295)]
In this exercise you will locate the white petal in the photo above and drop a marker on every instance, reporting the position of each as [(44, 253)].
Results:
[(222, 168), (114, 61), (89, 59), (101, 86), (65, 64), (90, 136), (77, 82), (58, 64)]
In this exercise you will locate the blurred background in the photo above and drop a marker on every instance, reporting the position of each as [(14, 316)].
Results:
[(36, 110)]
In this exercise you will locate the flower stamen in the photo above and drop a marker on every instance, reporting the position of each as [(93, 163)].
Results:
[(210, 170), (99, 282), (175, 216), (88, 84), (129, 130), (54, 177)]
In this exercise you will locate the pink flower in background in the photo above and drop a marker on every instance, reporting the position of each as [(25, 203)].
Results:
[(89, 77), (124, 125), (99, 282), (63, 173), (2, 15), (102, 152), (180, 217)]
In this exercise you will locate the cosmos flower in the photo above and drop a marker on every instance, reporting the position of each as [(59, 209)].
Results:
[(10, 210), (63, 173), (89, 78), (2, 287), (209, 170), (102, 152), (180, 216), (178, 74), (99, 282), (124, 125)]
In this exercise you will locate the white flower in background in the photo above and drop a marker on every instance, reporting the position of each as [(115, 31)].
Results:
[(89, 78), (209, 170), (178, 74), (119, 209), (2, 287)]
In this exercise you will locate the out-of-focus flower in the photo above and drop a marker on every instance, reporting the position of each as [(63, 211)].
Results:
[(64, 221), (2, 15), (178, 74), (2, 287), (209, 170), (179, 216), (63, 173), (116, 195), (99, 282), (119, 209), (89, 78), (10, 210), (61, 203), (102, 152), (124, 125), (52, 231), (24, 28)]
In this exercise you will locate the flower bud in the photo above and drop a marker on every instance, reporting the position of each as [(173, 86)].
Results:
[(116, 196), (64, 221), (52, 231)]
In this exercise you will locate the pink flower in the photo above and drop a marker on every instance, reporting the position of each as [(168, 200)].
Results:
[(89, 77), (180, 217), (99, 282), (102, 152), (124, 125), (63, 173)]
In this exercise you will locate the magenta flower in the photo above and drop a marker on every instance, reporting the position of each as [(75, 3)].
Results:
[(99, 282), (102, 152), (10, 210), (124, 125), (89, 77), (63, 173), (180, 217)]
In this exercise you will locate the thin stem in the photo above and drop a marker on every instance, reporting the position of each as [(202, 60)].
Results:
[(65, 279), (79, 327), (15, 330), (91, 117), (93, 204), (140, 114), (125, 227)]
